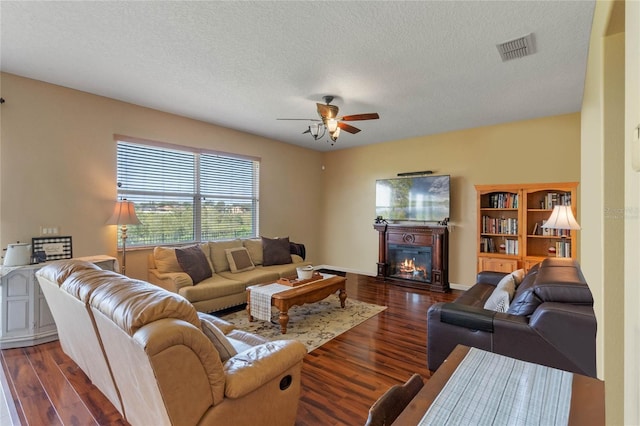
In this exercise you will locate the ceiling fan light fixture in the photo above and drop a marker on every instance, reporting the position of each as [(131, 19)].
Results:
[(334, 135), (314, 130), (332, 125)]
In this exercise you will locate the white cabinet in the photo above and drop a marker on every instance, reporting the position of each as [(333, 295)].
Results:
[(25, 318)]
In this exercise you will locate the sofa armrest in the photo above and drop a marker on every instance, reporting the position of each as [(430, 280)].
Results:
[(490, 277), (225, 326), (248, 370), (171, 281), (558, 335), (467, 316), (443, 337), (571, 329)]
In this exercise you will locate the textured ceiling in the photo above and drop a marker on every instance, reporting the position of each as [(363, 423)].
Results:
[(426, 67)]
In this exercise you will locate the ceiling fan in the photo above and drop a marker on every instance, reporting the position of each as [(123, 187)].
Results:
[(330, 122)]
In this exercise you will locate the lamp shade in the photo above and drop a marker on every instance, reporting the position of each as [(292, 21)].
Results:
[(335, 134), (332, 125), (124, 213), (561, 218), (314, 129)]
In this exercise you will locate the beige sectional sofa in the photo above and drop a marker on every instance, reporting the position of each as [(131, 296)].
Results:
[(159, 361), (231, 272)]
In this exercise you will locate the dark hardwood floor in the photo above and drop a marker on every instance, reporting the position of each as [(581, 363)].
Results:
[(340, 379)]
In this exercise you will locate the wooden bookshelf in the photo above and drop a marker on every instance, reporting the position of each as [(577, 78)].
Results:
[(510, 218)]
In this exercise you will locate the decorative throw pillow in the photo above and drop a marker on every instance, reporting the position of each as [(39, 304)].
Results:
[(218, 255), (207, 253), (254, 247), (498, 301), (502, 295), (220, 342), (275, 251), (193, 261), (166, 261), (239, 259), (508, 283), (518, 276)]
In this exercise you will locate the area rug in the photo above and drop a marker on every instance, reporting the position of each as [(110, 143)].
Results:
[(313, 324)]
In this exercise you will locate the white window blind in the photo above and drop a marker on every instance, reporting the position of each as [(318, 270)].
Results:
[(185, 195)]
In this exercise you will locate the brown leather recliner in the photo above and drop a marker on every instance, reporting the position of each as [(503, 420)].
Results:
[(146, 349), (550, 320)]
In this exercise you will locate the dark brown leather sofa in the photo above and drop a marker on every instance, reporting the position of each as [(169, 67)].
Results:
[(550, 320)]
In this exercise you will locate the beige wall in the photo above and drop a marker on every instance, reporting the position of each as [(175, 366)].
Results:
[(58, 162), (540, 150), (632, 216), (611, 232), (58, 169)]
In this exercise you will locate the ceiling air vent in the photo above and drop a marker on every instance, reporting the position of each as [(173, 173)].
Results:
[(518, 48)]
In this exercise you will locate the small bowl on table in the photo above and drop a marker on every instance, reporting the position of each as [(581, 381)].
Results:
[(305, 272)]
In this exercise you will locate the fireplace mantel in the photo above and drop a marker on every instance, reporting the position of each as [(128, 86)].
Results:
[(434, 236)]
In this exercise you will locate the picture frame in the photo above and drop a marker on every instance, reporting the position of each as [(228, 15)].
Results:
[(45, 249)]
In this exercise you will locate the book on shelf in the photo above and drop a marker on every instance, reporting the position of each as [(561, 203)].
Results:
[(499, 225), (503, 200), (553, 199), (563, 248), (487, 245)]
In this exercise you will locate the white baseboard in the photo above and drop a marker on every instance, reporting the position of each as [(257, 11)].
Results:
[(454, 286), (462, 287), (341, 268)]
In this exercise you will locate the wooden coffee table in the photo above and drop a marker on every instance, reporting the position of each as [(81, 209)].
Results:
[(306, 293)]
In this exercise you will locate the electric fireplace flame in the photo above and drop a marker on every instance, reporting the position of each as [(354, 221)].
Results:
[(410, 262), (408, 269)]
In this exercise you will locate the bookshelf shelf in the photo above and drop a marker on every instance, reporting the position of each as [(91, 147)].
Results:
[(510, 219)]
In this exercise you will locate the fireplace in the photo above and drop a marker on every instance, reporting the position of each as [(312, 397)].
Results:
[(409, 262), (413, 255)]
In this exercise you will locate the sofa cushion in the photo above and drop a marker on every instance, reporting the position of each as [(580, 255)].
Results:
[(212, 288), (258, 275), (563, 285), (553, 281), (129, 303), (254, 246), (525, 300), (245, 338), (220, 342), (224, 326), (218, 254), (166, 260), (60, 270), (193, 261), (239, 259), (275, 251)]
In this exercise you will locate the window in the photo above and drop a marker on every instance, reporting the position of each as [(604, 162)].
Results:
[(185, 195)]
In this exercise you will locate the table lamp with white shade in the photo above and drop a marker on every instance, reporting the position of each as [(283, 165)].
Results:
[(561, 218)]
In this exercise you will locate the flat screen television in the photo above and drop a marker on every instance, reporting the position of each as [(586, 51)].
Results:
[(413, 198)]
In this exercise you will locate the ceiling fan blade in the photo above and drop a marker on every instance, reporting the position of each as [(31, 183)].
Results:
[(327, 111), (299, 119), (358, 117), (348, 128)]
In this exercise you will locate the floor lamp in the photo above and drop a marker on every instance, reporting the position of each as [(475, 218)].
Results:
[(124, 214)]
